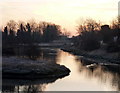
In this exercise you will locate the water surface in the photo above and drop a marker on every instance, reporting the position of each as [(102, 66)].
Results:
[(81, 78)]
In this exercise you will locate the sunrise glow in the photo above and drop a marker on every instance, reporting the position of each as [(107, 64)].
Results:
[(62, 12)]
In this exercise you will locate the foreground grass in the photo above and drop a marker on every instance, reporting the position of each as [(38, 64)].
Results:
[(14, 67)]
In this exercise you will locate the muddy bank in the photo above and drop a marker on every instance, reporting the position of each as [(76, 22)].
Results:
[(97, 56), (21, 68)]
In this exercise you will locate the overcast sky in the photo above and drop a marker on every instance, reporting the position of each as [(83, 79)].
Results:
[(62, 12)]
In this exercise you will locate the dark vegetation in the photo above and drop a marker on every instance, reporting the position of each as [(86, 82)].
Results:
[(21, 33), (93, 35), (23, 36)]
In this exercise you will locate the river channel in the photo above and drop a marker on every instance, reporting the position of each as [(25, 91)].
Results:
[(81, 78)]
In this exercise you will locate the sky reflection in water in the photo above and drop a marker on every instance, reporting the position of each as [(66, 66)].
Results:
[(81, 78)]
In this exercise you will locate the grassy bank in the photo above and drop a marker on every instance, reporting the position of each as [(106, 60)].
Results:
[(97, 56), (22, 68)]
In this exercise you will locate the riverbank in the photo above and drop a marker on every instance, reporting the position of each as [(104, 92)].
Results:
[(23, 68), (96, 56)]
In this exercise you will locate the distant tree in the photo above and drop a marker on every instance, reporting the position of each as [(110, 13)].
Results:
[(12, 25), (88, 38), (28, 27), (115, 24), (28, 37), (11, 37), (21, 34), (5, 36), (89, 41), (36, 37), (22, 28), (6, 31), (51, 32), (42, 26), (30, 32), (113, 36), (32, 24), (88, 25), (12, 33)]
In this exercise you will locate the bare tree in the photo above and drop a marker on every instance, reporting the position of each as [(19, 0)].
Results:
[(115, 24), (88, 25), (12, 25)]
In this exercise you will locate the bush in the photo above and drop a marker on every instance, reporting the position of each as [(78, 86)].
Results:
[(89, 41)]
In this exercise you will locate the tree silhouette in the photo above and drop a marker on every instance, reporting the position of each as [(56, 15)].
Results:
[(30, 33), (51, 32), (12, 25), (92, 32), (6, 31), (88, 36), (88, 25)]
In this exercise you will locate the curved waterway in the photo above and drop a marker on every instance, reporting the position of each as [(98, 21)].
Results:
[(81, 78)]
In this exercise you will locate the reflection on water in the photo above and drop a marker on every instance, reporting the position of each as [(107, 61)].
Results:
[(83, 77), (26, 85), (48, 54), (25, 88)]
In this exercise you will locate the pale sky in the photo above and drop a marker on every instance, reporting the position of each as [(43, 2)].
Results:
[(62, 12)]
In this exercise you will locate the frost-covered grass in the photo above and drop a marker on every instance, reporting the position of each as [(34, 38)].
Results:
[(14, 65)]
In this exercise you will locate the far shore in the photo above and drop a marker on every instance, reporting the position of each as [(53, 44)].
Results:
[(96, 56)]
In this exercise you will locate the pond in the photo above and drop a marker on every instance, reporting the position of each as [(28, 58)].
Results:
[(81, 78)]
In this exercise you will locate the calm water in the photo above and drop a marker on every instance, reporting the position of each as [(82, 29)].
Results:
[(81, 77)]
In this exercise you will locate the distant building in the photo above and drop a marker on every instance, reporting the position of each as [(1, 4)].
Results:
[(105, 27)]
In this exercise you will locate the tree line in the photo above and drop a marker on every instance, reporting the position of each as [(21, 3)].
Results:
[(31, 32), (93, 35)]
